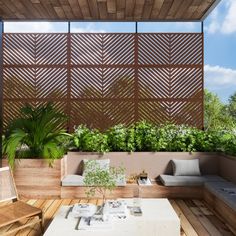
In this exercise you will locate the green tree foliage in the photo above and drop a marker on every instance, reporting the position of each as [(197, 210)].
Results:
[(232, 106), (216, 114)]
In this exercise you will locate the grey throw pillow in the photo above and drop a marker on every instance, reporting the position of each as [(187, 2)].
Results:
[(186, 167)]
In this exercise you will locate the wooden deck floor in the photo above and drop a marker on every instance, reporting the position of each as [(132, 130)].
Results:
[(196, 218)]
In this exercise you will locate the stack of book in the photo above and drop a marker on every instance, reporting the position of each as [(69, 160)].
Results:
[(115, 208), (95, 222), (84, 210), (144, 181)]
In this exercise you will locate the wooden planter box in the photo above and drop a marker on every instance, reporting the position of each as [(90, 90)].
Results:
[(35, 179), (154, 163)]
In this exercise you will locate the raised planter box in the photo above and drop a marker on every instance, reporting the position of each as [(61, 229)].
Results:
[(35, 179), (154, 163)]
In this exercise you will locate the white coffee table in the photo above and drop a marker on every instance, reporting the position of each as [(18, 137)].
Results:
[(158, 218)]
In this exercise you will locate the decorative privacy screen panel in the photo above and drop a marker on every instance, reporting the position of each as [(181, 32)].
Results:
[(105, 79)]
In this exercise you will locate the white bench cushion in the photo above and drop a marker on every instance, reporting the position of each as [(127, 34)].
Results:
[(73, 180), (226, 191), (78, 180), (171, 180)]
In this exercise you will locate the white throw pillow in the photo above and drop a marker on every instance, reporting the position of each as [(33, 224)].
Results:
[(103, 164), (186, 167)]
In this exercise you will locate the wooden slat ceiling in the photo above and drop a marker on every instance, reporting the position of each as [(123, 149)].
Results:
[(110, 10)]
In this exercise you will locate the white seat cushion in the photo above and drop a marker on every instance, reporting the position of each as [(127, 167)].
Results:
[(73, 180), (226, 191), (171, 180), (78, 180)]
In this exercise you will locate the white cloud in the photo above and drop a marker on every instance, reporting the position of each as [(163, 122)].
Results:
[(217, 77), (229, 23), (223, 18), (186, 25), (28, 27), (89, 28), (48, 27), (214, 24)]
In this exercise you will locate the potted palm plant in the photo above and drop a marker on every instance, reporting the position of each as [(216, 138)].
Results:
[(35, 136)]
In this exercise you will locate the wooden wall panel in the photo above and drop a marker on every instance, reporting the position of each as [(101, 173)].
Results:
[(103, 79)]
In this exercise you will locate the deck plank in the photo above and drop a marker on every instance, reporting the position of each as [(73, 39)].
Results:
[(185, 224), (219, 224), (195, 216), (199, 228), (212, 229)]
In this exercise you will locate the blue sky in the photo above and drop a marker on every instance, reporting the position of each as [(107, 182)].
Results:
[(219, 42)]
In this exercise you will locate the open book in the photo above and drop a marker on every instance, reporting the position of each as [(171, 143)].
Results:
[(84, 210), (95, 222), (144, 181), (116, 208)]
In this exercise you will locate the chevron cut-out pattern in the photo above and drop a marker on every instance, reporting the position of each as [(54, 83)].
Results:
[(170, 49), (11, 109), (154, 82), (86, 83), (87, 112), (51, 83), (153, 111), (118, 83), (154, 49), (186, 112), (86, 49), (118, 112), (103, 79), (118, 49), (19, 49), (19, 83), (182, 84), (51, 49), (186, 49)]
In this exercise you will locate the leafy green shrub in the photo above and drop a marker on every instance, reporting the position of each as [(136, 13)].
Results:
[(121, 138), (228, 142), (206, 141), (90, 140), (176, 138), (144, 136)]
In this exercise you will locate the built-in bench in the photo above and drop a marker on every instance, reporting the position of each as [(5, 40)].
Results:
[(219, 193), (153, 163), (216, 185), (221, 198)]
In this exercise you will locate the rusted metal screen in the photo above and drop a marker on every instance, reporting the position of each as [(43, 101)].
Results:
[(104, 79)]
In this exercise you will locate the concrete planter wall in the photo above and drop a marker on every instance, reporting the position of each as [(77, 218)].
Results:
[(154, 163), (227, 167), (35, 179)]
